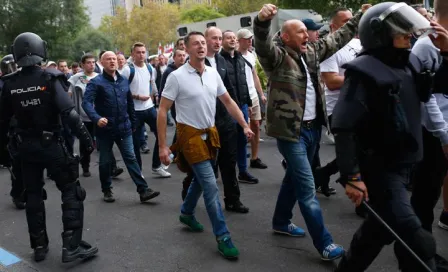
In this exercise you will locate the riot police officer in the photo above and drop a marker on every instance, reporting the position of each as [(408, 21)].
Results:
[(7, 67), (38, 101), (377, 128)]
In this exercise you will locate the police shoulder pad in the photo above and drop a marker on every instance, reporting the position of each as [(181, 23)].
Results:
[(9, 76), (374, 69), (52, 73)]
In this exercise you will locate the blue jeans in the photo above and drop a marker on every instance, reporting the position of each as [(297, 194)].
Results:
[(298, 185), (127, 152), (242, 142), (204, 180), (149, 117)]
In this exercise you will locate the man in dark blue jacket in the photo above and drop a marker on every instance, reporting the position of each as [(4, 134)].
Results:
[(108, 103)]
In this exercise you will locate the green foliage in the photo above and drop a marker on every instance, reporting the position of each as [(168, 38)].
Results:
[(199, 13), (91, 40), (56, 21), (235, 7)]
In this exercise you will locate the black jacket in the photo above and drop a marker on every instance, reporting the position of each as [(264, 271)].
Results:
[(236, 68), (223, 120), (169, 69)]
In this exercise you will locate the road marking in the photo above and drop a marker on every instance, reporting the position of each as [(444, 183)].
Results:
[(7, 259)]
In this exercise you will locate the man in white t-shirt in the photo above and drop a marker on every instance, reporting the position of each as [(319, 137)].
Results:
[(244, 37), (144, 91), (194, 87)]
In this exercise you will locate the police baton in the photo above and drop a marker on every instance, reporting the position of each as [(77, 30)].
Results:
[(384, 224)]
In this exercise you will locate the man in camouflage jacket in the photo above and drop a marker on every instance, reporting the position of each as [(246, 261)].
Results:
[(296, 112)]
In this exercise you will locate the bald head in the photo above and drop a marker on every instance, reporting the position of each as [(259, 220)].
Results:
[(213, 36), (294, 35), (109, 62)]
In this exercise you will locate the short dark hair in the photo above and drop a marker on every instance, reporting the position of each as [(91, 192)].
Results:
[(101, 53), (75, 64), (59, 61), (227, 31), (137, 44), (178, 41), (86, 57), (175, 52), (335, 12), (192, 33)]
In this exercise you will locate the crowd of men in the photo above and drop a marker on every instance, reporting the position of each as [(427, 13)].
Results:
[(375, 82)]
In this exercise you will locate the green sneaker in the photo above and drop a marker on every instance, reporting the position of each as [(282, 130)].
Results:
[(191, 222), (227, 249)]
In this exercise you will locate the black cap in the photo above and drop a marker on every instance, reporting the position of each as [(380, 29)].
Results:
[(311, 25)]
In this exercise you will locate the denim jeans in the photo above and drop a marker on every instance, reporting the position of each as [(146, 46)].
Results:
[(298, 185), (242, 142), (127, 152), (149, 117), (204, 180)]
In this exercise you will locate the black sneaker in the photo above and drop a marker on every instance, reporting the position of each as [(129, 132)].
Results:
[(148, 194), (86, 172), (245, 177), (327, 192), (108, 196), (117, 171), (144, 149), (236, 206), (257, 163), (40, 253), (443, 220)]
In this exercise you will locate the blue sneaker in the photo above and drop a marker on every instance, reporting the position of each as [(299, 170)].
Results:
[(291, 230), (332, 252)]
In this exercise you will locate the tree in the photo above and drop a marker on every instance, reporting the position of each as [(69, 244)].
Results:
[(199, 13), (57, 21), (234, 7), (90, 41), (151, 24)]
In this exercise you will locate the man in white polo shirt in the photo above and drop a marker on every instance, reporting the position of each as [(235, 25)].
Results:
[(194, 87), (141, 84)]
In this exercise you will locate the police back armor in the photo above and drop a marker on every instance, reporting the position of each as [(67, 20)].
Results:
[(392, 96)]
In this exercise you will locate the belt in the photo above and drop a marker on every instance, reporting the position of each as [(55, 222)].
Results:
[(308, 124)]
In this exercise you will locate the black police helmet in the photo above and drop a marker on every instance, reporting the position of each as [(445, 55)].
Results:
[(29, 49), (373, 32), (8, 65)]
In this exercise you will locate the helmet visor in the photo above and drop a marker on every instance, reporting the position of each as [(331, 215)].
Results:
[(403, 19), (8, 67)]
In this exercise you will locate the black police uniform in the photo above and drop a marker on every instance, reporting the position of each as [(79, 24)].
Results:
[(7, 67), (38, 101), (377, 127), (17, 187)]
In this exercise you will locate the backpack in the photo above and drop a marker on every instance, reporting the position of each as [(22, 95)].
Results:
[(132, 74)]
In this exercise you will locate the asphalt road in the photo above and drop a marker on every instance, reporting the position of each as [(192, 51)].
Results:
[(148, 237)]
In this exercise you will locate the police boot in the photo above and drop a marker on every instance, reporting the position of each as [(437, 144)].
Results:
[(19, 203), (74, 248), (39, 242)]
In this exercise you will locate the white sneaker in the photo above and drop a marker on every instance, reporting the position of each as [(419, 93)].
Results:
[(161, 172), (165, 167)]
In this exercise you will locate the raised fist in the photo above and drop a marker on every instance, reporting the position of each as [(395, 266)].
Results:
[(267, 12)]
